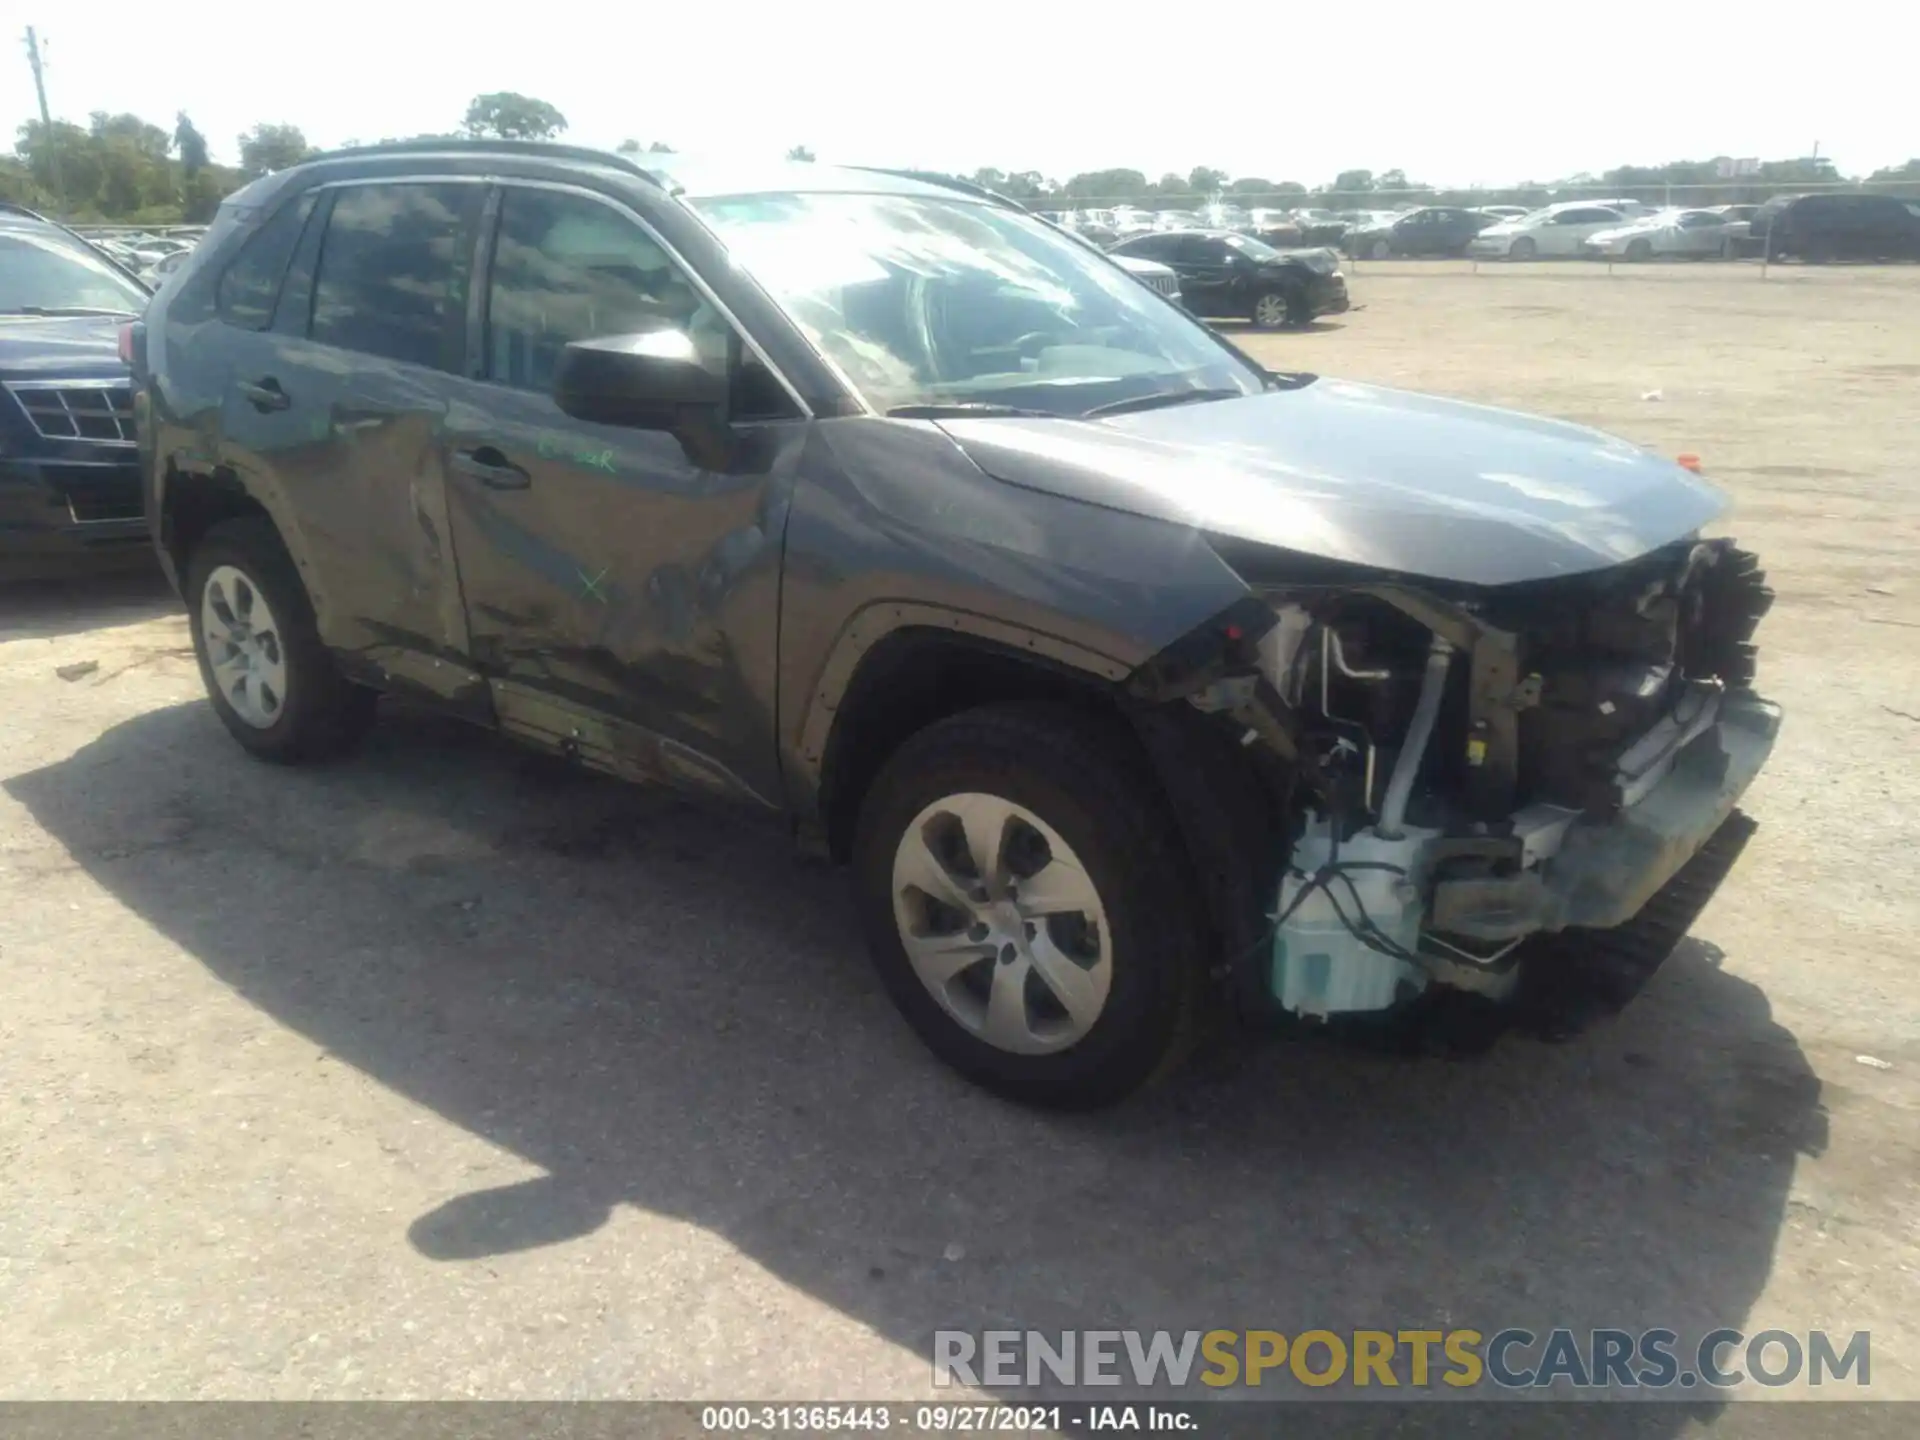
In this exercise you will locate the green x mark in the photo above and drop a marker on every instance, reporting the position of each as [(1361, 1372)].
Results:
[(590, 586)]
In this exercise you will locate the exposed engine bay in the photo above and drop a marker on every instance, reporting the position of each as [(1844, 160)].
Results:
[(1476, 767)]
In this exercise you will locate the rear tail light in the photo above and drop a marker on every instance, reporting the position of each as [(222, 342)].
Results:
[(133, 346)]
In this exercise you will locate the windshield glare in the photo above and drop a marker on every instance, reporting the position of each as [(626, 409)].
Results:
[(47, 272), (1251, 248), (925, 301)]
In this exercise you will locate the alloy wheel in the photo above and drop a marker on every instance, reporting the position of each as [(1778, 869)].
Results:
[(1270, 310), (244, 648)]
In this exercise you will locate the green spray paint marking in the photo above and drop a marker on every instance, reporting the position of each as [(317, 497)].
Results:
[(551, 448), (590, 586)]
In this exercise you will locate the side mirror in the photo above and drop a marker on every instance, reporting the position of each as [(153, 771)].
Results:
[(649, 381)]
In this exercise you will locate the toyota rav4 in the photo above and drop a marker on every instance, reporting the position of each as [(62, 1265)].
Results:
[(1127, 676)]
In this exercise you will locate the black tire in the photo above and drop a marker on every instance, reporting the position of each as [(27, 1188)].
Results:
[(1525, 248), (322, 714), (1638, 250), (1082, 778)]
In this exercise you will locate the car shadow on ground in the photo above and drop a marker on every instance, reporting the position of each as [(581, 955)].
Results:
[(49, 609), (1247, 327), (662, 1007)]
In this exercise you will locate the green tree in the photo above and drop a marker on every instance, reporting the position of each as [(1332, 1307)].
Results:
[(1107, 185), (191, 144), (80, 170), (1908, 171), (503, 115), (266, 148), (1203, 181), (1353, 182), (800, 152)]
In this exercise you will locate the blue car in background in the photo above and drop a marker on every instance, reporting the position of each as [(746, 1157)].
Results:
[(69, 468)]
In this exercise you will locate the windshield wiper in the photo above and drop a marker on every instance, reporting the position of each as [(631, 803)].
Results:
[(1158, 399), (966, 409), (54, 311)]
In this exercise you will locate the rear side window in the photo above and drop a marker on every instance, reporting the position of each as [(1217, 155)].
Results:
[(393, 272), (249, 285), (1151, 247)]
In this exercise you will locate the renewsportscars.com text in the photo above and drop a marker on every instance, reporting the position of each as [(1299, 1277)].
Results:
[(1511, 1359)]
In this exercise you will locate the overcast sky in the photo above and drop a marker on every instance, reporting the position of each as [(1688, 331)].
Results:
[(1454, 93)]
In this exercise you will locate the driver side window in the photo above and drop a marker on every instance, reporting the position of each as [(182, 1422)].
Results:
[(569, 268)]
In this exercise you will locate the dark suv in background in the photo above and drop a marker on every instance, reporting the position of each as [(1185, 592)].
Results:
[(1128, 677), (1225, 275), (1819, 228), (69, 474)]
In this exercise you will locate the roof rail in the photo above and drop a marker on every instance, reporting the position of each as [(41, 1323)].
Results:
[(948, 182), (550, 148)]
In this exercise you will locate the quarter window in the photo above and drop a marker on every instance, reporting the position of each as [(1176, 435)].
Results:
[(248, 287), (393, 271)]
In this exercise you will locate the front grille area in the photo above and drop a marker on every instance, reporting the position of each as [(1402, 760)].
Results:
[(96, 493), (1168, 284), (78, 410)]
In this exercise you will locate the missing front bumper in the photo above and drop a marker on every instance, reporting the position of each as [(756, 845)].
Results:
[(1604, 871), (1364, 925)]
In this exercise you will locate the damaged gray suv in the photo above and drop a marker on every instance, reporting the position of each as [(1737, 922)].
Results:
[(1132, 681)]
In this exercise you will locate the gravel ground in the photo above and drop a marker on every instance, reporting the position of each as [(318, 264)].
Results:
[(436, 1073)]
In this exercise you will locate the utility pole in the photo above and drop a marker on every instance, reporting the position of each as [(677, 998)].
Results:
[(46, 120)]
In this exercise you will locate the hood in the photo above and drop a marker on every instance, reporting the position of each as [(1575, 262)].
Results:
[(1505, 227), (1426, 487), (67, 347)]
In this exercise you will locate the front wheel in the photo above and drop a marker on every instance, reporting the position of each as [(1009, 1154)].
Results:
[(1379, 250), (1274, 310), (1638, 250), (270, 678), (1522, 249), (1025, 908)]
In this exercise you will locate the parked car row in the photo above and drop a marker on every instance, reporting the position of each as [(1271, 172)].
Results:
[(1814, 228), (152, 254)]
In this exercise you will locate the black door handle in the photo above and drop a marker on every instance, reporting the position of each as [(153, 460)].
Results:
[(265, 394), (491, 468)]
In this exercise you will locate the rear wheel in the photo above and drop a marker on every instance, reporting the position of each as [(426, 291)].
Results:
[(270, 678), (1274, 309), (1025, 907)]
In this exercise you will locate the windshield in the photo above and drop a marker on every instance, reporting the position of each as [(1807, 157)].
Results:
[(922, 301), (1251, 248), (43, 270)]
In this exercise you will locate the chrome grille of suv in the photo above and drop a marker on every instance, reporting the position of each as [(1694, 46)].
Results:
[(1167, 284), (101, 411)]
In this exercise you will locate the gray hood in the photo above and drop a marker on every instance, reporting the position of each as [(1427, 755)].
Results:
[(1411, 483)]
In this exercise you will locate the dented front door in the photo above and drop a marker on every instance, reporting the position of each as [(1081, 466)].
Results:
[(621, 598)]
